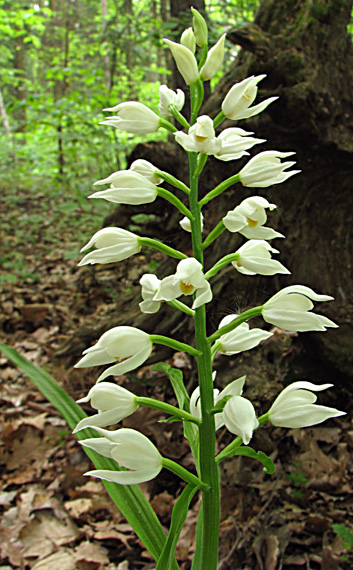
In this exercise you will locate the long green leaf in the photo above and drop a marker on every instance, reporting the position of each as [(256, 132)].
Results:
[(179, 514), (196, 561), (129, 499), (176, 377)]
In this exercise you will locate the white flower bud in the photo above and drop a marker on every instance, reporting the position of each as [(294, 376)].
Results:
[(255, 259), (186, 225), (149, 283), (214, 60), (113, 244), (127, 187), (239, 339), (294, 407), (128, 346), (200, 28), (236, 104), (130, 449), (114, 403), (240, 418), (185, 61), (146, 169), (235, 142), (266, 169), (289, 310), (133, 117), (188, 39), (169, 97)]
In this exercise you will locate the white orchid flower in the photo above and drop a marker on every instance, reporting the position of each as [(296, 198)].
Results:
[(130, 449), (129, 346), (240, 418), (127, 187), (266, 169), (201, 137), (255, 258), (239, 339), (289, 309), (235, 388), (185, 61), (189, 278), (214, 60), (235, 143), (113, 244), (149, 284), (146, 169), (133, 117), (249, 218), (113, 402), (295, 406), (169, 97), (236, 104)]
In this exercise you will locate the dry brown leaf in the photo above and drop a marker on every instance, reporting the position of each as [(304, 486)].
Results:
[(78, 507), (91, 552), (62, 560)]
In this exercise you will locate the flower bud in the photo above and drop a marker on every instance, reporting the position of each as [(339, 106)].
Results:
[(294, 407), (130, 449), (200, 28), (147, 170), (127, 187), (133, 117), (235, 143), (255, 259), (240, 418), (149, 283), (128, 346), (114, 403), (239, 339), (113, 244), (236, 104), (185, 61), (266, 169), (169, 97), (188, 39), (214, 60)]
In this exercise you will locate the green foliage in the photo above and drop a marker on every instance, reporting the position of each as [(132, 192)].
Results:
[(298, 479), (345, 534)]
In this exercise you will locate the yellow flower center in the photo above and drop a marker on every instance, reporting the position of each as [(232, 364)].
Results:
[(200, 138), (251, 223), (186, 287)]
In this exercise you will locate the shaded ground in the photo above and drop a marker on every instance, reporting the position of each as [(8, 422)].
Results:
[(52, 517)]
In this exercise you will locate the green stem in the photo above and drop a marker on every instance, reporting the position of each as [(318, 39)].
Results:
[(219, 189), (172, 180), (249, 314), (220, 227), (167, 408), (175, 344), (167, 125), (175, 201), (196, 94), (229, 450), (221, 263), (149, 242), (178, 116), (179, 305), (219, 119), (207, 432), (183, 473)]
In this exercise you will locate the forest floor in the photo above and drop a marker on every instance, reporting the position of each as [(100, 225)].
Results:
[(300, 518)]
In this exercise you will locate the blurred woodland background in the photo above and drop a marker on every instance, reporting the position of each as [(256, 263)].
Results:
[(62, 62)]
